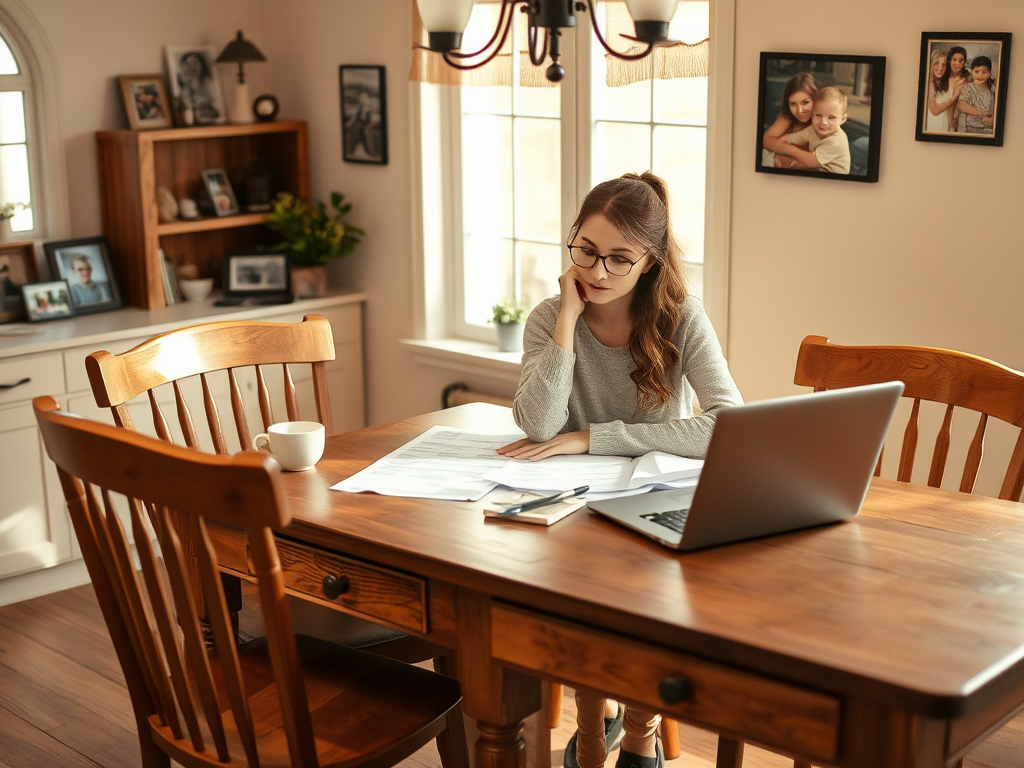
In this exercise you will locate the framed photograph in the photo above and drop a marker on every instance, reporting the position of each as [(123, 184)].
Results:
[(961, 88), (17, 268), (85, 266), (195, 87), (145, 101), (364, 121), (47, 301), (219, 189), (820, 115), (256, 272)]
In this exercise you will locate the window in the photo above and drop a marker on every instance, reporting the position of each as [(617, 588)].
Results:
[(523, 157), (16, 150)]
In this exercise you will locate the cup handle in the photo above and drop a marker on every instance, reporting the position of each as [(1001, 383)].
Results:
[(261, 437)]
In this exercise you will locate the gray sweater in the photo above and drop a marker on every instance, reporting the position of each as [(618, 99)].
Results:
[(591, 389)]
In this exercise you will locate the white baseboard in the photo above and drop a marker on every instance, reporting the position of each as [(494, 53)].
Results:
[(37, 583)]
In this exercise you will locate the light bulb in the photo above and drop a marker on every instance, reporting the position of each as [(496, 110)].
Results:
[(445, 15), (651, 10)]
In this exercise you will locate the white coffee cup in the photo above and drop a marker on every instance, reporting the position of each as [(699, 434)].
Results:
[(297, 445)]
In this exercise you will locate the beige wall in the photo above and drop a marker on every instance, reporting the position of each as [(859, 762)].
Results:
[(928, 255)]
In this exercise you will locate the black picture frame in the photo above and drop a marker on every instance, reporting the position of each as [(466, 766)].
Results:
[(256, 272), (961, 128), (364, 123), (862, 81), (49, 300), (103, 295)]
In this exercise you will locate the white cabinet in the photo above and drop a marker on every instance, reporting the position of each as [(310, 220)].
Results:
[(35, 532)]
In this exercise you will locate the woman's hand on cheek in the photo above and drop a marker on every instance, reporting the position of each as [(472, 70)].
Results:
[(569, 443), (574, 295)]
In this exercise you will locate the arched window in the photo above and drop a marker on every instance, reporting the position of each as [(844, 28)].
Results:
[(17, 151)]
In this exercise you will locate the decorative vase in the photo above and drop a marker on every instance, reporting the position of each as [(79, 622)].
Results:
[(510, 337), (309, 282)]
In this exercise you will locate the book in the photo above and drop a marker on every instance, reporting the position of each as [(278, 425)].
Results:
[(166, 279), (503, 498)]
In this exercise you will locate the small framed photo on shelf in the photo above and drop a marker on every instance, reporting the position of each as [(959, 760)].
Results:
[(820, 115), (195, 86), (85, 265), (145, 102), (256, 276), (364, 124), (47, 301), (17, 268), (219, 189), (961, 88)]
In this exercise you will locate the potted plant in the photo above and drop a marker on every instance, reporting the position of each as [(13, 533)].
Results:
[(508, 316), (312, 236)]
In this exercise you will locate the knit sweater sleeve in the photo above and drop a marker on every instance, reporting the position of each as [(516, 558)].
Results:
[(705, 369), (541, 404)]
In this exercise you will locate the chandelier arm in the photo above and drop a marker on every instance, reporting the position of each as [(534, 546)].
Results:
[(536, 58), (504, 25), (612, 52)]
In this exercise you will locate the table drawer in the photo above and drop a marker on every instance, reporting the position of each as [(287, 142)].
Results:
[(367, 590), (712, 695)]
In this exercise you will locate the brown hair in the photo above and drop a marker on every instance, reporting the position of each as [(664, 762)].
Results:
[(832, 94), (801, 81), (637, 206)]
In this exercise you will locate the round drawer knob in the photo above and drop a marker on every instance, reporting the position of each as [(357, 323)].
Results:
[(674, 689), (335, 586)]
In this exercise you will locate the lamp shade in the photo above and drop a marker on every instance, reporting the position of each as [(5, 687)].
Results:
[(240, 50), (445, 21), (652, 10)]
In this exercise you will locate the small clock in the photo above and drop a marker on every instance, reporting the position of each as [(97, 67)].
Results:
[(265, 107)]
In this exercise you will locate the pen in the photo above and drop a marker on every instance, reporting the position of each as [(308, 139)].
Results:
[(544, 502)]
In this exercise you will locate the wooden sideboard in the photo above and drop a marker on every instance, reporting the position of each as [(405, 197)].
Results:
[(35, 532)]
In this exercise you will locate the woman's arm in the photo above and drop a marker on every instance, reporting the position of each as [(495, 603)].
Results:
[(778, 129), (541, 404), (803, 157), (934, 107)]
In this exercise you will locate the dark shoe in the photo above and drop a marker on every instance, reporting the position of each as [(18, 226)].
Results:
[(629, 760), (612, 737)]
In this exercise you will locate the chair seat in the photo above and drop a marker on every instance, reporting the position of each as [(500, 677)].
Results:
[(366, 710)]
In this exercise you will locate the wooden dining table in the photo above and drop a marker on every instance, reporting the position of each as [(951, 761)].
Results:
[(892, 639)]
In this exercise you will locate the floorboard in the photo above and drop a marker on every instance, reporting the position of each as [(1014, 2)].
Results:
[(63, 701)]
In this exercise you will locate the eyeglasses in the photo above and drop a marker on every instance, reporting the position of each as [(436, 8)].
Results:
[(586, 257)]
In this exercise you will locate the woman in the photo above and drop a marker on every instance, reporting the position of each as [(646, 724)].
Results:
[(959, 76), (938, 97), (611, 367), (794, 113)]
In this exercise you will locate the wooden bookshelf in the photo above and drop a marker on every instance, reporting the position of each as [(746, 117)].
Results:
[(133, 164)]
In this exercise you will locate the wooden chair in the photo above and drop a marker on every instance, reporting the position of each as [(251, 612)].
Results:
[(955, 379), (228, 359), (283, 701)]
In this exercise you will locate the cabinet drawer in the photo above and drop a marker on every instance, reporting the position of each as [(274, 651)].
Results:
[(370, 591), (45, 374), (719, 697)]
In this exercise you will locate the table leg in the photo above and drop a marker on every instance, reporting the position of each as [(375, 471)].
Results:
[(730, 753), (500, 746)]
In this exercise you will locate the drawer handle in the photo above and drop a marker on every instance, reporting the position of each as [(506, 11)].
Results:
[(674, 689), (26, 380), (335, 586)]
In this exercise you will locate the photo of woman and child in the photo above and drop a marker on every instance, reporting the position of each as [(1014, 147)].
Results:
[(821, 120), (960, 92)]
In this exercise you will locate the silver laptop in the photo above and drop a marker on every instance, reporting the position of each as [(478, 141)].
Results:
[(771, 467)]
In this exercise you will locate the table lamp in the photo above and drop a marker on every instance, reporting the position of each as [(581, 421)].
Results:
[(240, 50)]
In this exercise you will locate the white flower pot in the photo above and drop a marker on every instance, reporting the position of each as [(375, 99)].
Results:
[(510, 337)]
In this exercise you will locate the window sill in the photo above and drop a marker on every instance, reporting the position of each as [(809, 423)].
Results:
[(471, 357)]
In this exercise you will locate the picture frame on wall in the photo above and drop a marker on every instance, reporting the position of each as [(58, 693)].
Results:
[(146, 102), (820, 115), (364, 125), (195, 86), (85, 267), (962, 87), (50, 300), (17, 268)]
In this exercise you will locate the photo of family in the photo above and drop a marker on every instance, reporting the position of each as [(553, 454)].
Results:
[(962, 87), (820, 115), (47, 301), (145, 101)]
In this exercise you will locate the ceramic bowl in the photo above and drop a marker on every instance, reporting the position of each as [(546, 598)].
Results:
[(196, 290)]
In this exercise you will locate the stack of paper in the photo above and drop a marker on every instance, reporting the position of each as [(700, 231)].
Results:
[(449, 463)]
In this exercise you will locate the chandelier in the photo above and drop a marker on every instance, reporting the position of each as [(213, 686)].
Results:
[(445, 21)]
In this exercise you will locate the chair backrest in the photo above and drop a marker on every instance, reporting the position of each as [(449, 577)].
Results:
[(95, 461), (201, 351), (943, 376)]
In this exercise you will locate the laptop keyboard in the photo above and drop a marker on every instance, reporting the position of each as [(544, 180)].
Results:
[(674, 519)]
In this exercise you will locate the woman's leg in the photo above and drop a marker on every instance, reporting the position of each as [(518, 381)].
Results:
[(591, 750), (641, 733)]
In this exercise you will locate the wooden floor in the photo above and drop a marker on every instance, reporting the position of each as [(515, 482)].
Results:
[(63, 701)]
